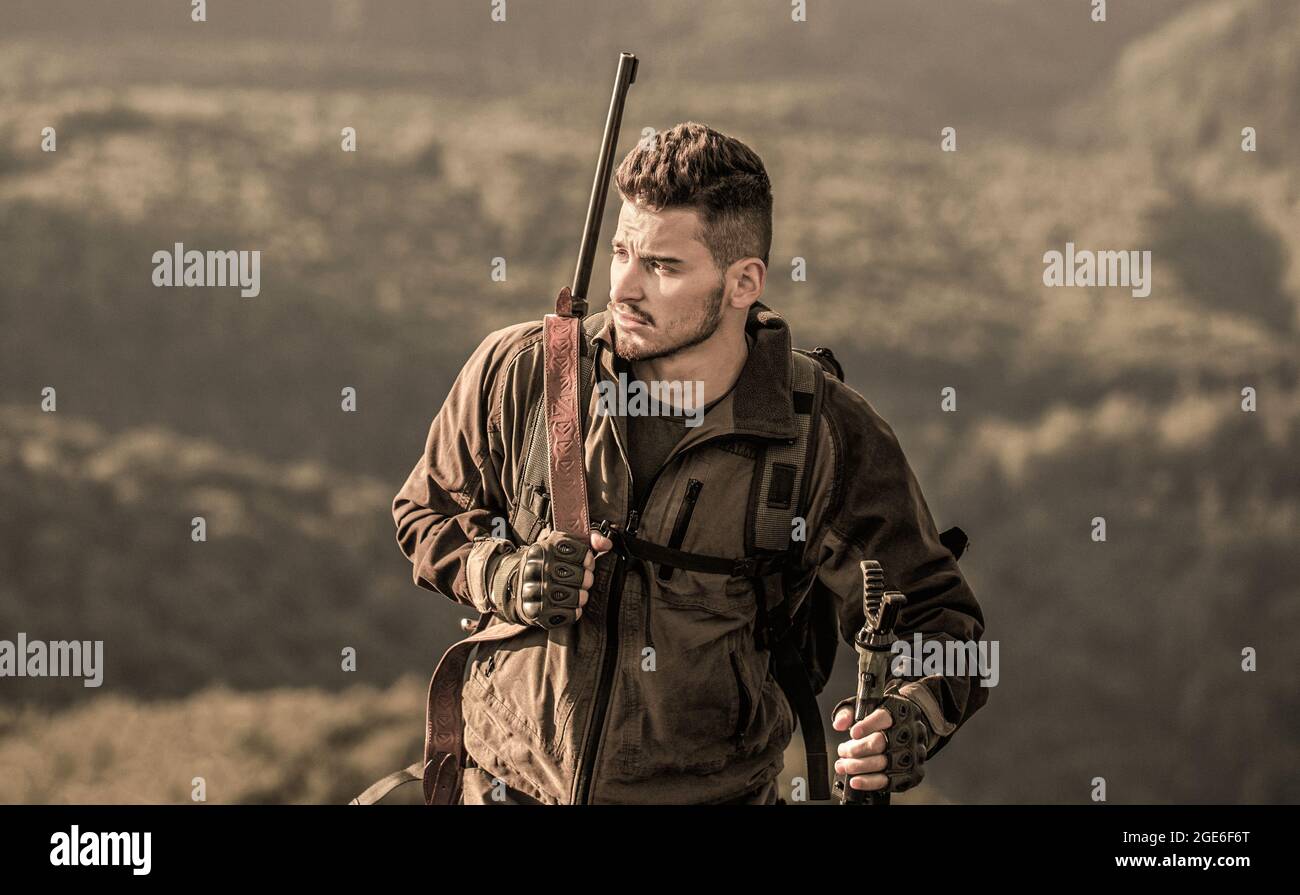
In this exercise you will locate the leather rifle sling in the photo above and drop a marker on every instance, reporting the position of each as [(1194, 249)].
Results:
[(561, 341), (444, 740), (444, 733)]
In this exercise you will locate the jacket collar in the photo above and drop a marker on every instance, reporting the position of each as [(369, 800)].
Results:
[(761, 403)]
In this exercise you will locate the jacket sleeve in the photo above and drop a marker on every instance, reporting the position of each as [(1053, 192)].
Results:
[(876, 511), (445, 511)]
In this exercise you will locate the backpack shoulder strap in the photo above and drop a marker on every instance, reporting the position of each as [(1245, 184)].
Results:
[(781, 484), (779, 495)]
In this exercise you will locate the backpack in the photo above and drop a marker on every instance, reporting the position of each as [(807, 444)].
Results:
[(803, 644)]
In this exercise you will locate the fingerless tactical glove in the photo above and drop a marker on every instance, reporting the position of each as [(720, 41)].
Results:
[(539, 584), (907, 741)]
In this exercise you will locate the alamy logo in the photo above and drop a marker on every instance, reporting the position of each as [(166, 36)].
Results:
[(56, 658), (77, 849), (656, 398), (949, 658), (1130, 269), (194, 268)]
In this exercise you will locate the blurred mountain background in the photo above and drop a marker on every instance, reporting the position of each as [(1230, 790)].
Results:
[(476, 140)]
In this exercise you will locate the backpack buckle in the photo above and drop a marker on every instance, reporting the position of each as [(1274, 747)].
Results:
[(612, 531), (745, 567)]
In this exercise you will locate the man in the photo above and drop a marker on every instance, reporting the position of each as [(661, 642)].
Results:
[(641, 681)]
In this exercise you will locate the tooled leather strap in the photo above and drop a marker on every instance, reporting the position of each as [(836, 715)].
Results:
[(562, 334), (444, 734)]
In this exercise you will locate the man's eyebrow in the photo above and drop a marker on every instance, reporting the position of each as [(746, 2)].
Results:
[(665, 259)]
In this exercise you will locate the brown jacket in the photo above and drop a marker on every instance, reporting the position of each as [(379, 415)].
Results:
[(658, 694)]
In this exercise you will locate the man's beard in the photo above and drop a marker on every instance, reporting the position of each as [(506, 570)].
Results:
[(701, 328)]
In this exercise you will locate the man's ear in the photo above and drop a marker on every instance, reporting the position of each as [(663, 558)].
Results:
[(750, 275)]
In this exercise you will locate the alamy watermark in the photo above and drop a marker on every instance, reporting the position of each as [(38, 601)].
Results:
[(946, 657), (1129, 269), (659, 397), (54, 658), (77, 849), (180, 267)]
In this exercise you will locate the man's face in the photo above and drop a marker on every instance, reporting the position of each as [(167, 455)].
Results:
[(665, 293)]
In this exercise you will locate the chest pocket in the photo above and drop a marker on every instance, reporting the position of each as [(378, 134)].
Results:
[(696, 589)]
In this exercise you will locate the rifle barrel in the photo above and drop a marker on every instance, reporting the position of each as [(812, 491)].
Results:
[(626, 76)]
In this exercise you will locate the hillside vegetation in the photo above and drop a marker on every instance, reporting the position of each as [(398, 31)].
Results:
[(1120, 659)]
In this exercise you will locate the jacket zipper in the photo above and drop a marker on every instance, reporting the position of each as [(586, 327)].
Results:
[(693, 488), (608, 665), (608, 655)]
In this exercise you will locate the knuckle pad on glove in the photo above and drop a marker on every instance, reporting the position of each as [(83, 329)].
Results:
[(905, 745), (569, 549), (563, 572), (550, 580)]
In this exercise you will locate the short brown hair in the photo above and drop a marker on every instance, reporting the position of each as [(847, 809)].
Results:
[(723, 180)]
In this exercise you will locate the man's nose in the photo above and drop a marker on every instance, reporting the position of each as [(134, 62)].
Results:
[(625, 284)]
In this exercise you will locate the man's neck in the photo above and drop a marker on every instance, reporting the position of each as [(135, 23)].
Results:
[(717, 361)]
